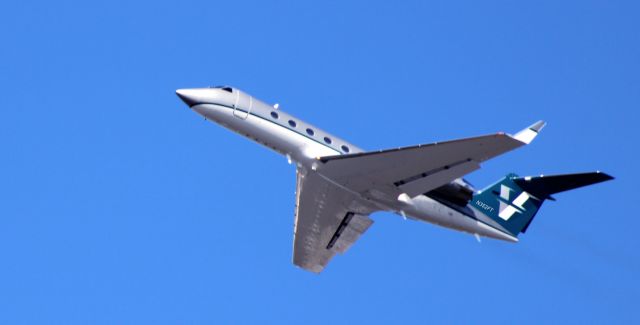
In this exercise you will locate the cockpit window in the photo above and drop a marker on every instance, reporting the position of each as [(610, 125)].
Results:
[(225, 88)]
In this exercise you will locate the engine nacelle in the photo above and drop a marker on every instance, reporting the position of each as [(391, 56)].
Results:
[(458, 192)]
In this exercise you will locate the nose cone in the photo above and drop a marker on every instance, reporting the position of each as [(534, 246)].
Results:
[(189, 96)]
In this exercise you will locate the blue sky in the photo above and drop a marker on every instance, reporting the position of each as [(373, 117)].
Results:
[(120, 205)]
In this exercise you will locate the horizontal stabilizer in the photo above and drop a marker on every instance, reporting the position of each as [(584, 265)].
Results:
[(544, 186)]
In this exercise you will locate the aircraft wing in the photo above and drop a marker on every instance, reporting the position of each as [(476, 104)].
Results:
[(328, 220), (419, 169)]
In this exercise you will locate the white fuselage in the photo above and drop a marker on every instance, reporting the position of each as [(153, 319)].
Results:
[(303, 143)]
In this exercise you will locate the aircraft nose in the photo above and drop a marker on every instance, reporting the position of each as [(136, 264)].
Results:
[(188, 96)]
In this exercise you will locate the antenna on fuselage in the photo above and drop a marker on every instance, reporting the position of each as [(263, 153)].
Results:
[(276, 105)]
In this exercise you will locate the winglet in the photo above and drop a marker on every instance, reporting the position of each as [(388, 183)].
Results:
[(528, 134)]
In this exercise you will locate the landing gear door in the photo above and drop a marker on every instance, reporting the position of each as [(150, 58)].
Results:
[(242, 105)]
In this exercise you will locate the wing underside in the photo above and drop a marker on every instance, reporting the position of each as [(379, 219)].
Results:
[(328, 221), (418, 169)]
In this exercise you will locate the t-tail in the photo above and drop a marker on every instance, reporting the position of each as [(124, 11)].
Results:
[(513, 201)]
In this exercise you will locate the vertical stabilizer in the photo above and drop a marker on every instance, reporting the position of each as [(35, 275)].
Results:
[(513, 201)]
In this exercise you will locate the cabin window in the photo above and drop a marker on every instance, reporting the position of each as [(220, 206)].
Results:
[(310, 132), (327, 140), (274, 115), (345, 148), (292, 123)]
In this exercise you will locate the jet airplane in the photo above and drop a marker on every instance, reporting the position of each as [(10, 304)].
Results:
[(339, 184)]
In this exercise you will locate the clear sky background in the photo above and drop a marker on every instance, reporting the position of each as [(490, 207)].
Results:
[(120, 205)]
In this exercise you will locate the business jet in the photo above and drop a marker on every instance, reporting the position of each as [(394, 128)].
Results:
[(338, 185)]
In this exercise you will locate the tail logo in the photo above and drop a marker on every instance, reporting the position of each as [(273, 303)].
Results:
[(509, 208)]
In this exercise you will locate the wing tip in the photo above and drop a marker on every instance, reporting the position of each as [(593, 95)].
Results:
[(538, 126), (313, 268), (604, 176), (527, 135)]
